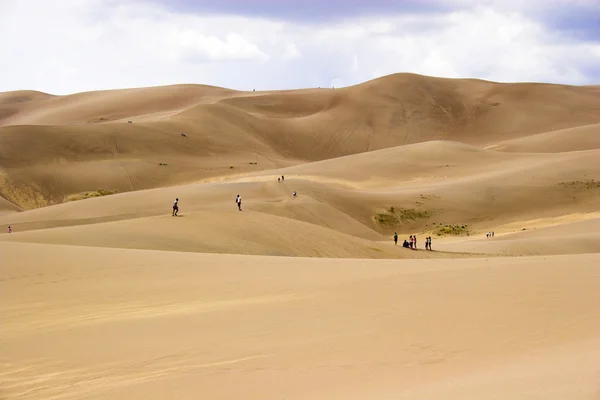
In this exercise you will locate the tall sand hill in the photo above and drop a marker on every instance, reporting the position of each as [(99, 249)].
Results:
[(53, 147)]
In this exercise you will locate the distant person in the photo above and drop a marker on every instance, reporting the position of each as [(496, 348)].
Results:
[(294, 193), (278, 179), (415, 240), (175, 207), (410, 241), (395, 238), (282, 178), (492, 234), (9, 229), (238, 201), (429, 244), (405, 244)]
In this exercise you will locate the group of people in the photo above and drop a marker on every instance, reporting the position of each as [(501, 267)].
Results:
[(489, 235), (411, 243), (238, 201)]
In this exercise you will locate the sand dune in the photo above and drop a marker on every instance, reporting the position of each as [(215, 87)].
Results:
[(570, 238), (227, 233), (105, 295), (166, 324), (430, 184), (47, 142), (585, 137)]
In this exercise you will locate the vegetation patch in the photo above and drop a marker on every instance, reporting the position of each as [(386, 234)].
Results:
[(588, 184), (408, 214), (24, 195), (454, 230), (392, 216), (88, 195), (386, 219)]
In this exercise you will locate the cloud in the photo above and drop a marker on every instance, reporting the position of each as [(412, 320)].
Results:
[(79, 45), (291, 52)]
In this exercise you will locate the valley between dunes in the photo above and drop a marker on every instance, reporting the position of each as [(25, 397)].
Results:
[(105, 295)]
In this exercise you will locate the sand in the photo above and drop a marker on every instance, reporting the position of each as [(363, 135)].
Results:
[(105, 295)]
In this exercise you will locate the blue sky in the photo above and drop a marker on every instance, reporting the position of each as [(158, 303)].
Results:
[(79, 45)]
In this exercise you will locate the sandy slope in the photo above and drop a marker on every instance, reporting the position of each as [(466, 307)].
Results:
[(55, 146), (585, 137), (566, 238), (122, 324), (450, 183)]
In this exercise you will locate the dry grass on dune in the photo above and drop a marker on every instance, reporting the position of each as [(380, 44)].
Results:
[(49, 143)]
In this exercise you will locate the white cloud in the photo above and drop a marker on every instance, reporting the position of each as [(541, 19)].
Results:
[(78, 45), (291, 52)]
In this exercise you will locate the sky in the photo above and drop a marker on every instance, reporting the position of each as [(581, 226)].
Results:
[(68, 46)]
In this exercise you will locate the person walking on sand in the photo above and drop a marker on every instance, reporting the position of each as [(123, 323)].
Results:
[(429, 243), (415, 240), (9, 229), (282, 178), (238, 201), (410, 241), (175, 207), (395, 238)]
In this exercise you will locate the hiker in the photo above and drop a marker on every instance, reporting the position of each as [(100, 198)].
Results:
[(238, 201), (175, 207), (395, 239), (9, 229)]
